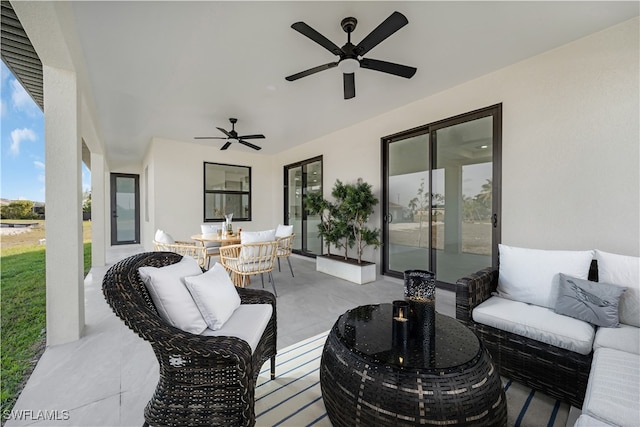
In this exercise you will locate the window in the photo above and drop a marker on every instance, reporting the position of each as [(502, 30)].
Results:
[(227, 190)]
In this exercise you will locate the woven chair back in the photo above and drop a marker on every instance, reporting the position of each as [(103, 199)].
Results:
[(190, 249), (249, 258), (285, 246), (127, 294)]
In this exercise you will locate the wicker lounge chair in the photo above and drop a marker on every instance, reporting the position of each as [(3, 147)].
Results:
[(204, 381)]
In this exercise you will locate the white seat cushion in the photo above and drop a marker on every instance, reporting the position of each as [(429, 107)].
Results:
[(585, 420), (613, 391), (625, 338), (284, 230), (170, 295), (248, 323), (538, 323), (622, 270), (213, 250)]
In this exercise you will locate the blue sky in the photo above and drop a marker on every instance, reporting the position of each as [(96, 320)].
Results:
[(22, 156)]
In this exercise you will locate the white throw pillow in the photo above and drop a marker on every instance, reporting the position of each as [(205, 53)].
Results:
[(215, 295), (284, 230), (624, 271), (162, 237), (533, 275), (171, 297), (210, 232), (209, 228), (257, 236)]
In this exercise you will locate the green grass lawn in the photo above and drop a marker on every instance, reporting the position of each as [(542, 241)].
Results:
[(23, 308)]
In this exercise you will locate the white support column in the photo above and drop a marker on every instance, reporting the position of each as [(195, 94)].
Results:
[(64, 253), (98, 227)]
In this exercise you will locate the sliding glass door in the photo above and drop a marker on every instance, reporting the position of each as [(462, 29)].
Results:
[(441, 196), (300, 179), (407, 203)]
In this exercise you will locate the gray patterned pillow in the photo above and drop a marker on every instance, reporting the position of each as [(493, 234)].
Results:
[(593, 302)]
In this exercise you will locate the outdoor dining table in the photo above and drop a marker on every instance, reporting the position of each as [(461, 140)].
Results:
[(224, 240)]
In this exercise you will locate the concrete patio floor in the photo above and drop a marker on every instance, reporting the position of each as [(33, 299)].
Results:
[(107, 377)]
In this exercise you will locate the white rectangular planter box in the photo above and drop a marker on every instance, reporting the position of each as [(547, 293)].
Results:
[(360, 274)]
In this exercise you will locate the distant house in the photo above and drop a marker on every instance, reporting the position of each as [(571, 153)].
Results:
[(38, 208), (399, 213)]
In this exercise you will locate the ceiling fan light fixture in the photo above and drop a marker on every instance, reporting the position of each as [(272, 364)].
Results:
[(349, 65)]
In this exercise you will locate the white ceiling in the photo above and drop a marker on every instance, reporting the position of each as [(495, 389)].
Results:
[(179, 69)]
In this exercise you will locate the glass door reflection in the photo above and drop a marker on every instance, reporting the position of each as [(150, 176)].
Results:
[(462, 176)]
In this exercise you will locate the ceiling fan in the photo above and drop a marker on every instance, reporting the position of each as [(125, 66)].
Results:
[(351, 56), (232, 136)]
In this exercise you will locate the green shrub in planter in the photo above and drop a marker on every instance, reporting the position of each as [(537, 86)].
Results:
[(343, 223)]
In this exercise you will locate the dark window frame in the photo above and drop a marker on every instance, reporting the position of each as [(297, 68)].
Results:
[(205, 192)]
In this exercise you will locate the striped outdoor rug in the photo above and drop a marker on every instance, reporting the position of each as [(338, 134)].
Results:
[(294, 397)]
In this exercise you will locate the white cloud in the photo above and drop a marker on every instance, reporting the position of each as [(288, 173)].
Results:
[(3, 108), (38, 164), (20, 98), (17, 137)]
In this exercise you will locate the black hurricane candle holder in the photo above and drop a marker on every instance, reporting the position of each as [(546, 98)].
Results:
[(420, 293)]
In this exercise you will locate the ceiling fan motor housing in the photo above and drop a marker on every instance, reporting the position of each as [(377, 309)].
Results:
[(349, 24)]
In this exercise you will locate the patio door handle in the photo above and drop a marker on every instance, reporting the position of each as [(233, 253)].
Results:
[(388, 218), (495, 220)]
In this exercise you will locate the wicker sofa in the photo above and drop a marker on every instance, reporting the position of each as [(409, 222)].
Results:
[(204, 380), (560, 373), (557, 372)]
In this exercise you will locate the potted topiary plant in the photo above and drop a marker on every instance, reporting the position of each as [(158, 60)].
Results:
[(343, 225)]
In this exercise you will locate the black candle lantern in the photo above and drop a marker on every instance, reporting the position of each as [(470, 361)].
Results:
[(400, 325), (420, 293)]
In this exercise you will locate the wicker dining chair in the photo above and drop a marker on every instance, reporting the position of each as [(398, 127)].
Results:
[(212, 248), (204, 380), (192, 249), (285, 246), (249, 259)]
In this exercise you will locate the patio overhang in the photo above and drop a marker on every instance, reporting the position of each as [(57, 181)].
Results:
[(19, 54)]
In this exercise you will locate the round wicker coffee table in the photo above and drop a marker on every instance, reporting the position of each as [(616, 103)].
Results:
[(448, 379)]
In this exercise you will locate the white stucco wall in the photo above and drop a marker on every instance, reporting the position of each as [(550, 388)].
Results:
[(570, 150), (176, 170)]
